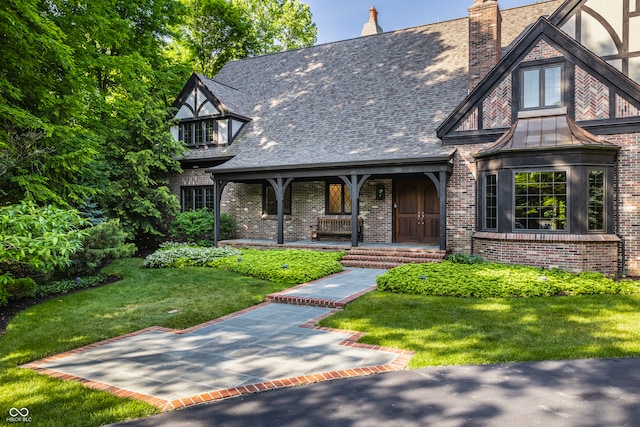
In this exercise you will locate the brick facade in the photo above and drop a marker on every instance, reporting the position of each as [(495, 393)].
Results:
[(542, 51), (628, 204), (244, 203), (567, 252), (461, 201), (592, 97)]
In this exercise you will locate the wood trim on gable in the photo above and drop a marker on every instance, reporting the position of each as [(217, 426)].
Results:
[(564, 12)]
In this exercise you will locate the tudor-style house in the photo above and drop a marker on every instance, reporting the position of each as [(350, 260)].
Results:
[(511, 134)]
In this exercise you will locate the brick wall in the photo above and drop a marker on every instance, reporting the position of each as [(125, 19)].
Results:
[(629, 199), (244, 203), (570, 253), (461, 200), (542, 50), (377, 214), (497, 106), (189, 178), (592, 97)]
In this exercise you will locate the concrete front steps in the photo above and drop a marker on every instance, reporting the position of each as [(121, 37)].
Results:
[(387, 258)]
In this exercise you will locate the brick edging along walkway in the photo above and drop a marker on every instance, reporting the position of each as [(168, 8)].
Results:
[(399, 363)]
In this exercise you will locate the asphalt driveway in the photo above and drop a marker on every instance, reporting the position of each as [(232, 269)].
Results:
[(585, 393)]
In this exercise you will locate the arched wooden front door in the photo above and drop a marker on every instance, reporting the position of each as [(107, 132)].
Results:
[(417, 212)]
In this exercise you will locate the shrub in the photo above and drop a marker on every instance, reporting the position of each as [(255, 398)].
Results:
[(174, 255), (283, 266), (496, 280), (198, 226), (64, 286), (24, 287), (4, 293), (465, 259), (102, 242), (38, 239)]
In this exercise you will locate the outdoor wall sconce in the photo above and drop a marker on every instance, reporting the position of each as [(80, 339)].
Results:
[(380, 192)]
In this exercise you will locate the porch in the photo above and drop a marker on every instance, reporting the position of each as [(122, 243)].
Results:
[(366, 255)]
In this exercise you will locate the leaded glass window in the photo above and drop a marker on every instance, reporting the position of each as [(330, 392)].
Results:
[(338, 199), (596, 200), (197, 198), (490, 201)]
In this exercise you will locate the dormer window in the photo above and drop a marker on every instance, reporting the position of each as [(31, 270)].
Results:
[(209, 113), (541, 86)]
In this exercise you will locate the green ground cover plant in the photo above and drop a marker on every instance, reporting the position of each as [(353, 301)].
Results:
[(457, 331), (284, 266), (177, 255), (485, 280), (141, 299)]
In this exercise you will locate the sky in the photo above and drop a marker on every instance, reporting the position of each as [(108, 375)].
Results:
[(343, 19)]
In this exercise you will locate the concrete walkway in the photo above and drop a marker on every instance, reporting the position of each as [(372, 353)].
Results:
[(273, 345)]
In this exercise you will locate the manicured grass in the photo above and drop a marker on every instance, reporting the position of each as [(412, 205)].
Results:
[(453, 331), (142, 299)]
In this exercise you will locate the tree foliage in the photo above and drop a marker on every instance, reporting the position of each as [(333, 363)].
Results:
[(43, 147), (86, 89), (218, 31), (128, 84)]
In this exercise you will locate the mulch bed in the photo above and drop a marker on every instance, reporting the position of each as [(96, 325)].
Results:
[(15, 307)]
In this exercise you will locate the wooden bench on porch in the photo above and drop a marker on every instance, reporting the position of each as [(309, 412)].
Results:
[(334, 226)]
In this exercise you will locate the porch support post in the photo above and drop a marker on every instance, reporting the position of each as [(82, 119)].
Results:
[(354, 184), (440, 182), (280, 186), (218, 188)]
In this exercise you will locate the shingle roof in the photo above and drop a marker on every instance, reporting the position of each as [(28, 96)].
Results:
[(233, 100), (372, 98)]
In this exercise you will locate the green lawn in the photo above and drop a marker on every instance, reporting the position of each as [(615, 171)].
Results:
[(140, 300), (442, 331), (453, 331)]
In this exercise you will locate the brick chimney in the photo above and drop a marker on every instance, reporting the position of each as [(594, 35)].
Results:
[(485, 39), (372, 26)]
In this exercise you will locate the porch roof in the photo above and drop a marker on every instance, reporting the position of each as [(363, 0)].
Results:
[(437, 163)]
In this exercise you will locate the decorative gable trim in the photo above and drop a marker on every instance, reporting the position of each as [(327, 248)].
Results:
[(564, 12), (618, 84), (206, 87), (185, 100)]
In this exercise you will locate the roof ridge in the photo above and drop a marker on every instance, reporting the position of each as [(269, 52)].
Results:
[(385, 33)]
